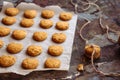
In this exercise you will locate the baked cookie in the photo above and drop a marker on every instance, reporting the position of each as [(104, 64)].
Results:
[(65, 16), (30, 63), (89, 50), (26, 22), (8, 20), (47, 14), (59, 37), (52, 63), (55, 50), (30, 14), (19, 34), (45, 23), (1, 43), (34, 50), (14, 47), (4, 31), (11, 11), (40, 36), (61, 25), (7, 60)]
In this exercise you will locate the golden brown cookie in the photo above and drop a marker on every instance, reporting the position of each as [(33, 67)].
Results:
[(52, 63), (30, 63), (7, 60), (59, 37), (34, 50), (61, 25), (26, 22), (55, 50), (11, 11), (19, 34), (4, 31), (40, 36), (14, 47), (46, 23), (65, 16), (1, 43), (89, 50), (47, 14), (30, 14), (8, 20)]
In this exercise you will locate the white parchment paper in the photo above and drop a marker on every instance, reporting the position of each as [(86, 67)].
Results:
[(65, 57)]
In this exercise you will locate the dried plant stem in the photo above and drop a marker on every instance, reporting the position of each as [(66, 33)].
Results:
[(98, 71)]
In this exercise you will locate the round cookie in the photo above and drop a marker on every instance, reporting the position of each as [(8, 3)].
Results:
[(19, 34), (14, 47), (47, 14), (55, 50), (4, 31), (1, 43), (52, 63), (11, 11), (46, 23), (89, 50), (40, 36), (65, 16), (58, 37), (34, 50), (8, 20), (61, 25), (30, 63), (30, 14), (7, 60), (26, 22)]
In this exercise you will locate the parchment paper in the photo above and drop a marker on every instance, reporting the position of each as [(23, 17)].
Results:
[(65, 57)]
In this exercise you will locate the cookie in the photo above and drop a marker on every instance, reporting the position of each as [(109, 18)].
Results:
[(30, 14), (55, 50), (19, 34), (47, 14), (4, 31), (8, 20), (52, 63), (30, 63), (89, 50), (26, 22), (11, 11), (40, 36), (45, 23), (61, 25), (14, 47), (34, 50), (7, 60), (65, 16), (58, 37), (1, 43)]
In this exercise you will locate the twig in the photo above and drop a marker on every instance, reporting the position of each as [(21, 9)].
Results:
[(98, 71)]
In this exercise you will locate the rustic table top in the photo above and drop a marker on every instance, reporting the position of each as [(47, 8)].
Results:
[(110, 54)]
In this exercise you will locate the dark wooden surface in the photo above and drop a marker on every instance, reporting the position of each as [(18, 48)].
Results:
[(109, 54)]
